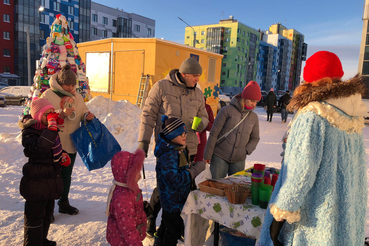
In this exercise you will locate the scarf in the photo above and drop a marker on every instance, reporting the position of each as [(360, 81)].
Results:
[(111, 190)]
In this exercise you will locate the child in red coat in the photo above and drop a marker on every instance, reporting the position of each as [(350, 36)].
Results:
[(127, 219)]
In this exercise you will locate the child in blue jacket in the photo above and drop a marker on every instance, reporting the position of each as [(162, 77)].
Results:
[(174, 173)]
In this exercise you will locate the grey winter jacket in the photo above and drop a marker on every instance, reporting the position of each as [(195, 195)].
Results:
[(172, 98), (241, 141)]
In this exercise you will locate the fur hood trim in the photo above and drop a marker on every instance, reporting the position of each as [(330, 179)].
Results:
[(325, 89), (335, 119)]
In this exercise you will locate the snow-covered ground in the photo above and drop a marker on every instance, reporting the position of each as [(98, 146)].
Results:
[(89, 189)]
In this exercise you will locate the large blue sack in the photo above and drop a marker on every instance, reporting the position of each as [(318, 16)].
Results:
[(95, 144)]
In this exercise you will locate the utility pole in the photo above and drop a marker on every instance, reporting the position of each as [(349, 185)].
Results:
[(194, 32)]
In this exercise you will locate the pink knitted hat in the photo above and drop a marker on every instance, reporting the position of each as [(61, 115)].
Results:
[(38, 108)]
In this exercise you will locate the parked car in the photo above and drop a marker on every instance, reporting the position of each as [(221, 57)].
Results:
[(15, 95), (223, 100), (2, 101), (2, 85)]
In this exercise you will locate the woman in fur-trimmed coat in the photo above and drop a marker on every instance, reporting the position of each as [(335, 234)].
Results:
[(321, 191)]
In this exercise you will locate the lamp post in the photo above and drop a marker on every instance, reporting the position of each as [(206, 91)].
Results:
[(194, 32), (40, 9)]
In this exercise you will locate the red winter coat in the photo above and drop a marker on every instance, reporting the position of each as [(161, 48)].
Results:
[(127, 219), (202, 135)]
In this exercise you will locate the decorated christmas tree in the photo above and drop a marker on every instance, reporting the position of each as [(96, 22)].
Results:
[(60, 49)]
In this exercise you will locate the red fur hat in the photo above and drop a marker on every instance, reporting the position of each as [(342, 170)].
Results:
[(125, 167), (322, 64)]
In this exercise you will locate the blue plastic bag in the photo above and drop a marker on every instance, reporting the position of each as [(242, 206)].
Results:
[(95, 144)]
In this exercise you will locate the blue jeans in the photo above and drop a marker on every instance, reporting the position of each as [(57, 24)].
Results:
[(284, 114), (219, 168)]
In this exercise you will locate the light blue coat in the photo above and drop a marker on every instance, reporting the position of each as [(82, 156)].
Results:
[(322, 180)]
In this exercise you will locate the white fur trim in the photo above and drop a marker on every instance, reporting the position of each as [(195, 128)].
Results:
[(350, 125), (279, 214)]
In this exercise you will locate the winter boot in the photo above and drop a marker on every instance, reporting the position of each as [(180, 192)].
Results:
[(66, 208), (151, 228), (49, 243)]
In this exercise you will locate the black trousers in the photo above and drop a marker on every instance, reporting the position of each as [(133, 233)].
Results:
[(66, 173), (37, 221), (171, 228), (269, 116), (155, 201)]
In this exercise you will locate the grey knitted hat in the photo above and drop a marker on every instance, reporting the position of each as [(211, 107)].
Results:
[(66, 76), (190, 66)]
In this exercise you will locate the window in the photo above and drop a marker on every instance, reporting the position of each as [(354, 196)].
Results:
[(239, 30), (6, 52), (71, 10), (225, 57), (238, 48), (223, 73), (105, 20), (247, 42), (236, 74), (188, 37), (224, 64), (226, 39), (202, 32), (94, 31), (6, 35), (42, 16), (243, 33), (43, 3), (71, 25), (227, 31), (225, 48), (6, 18), (56, 6), (42, 34), (222, 82), (238, 39), (248, 34), (94, 18), (105, 34), (7, 2), (235, 82), (202, 41), (137, 28), (114, 22), (6, 69), (149, 31)]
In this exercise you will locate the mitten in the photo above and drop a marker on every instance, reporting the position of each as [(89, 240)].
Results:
[(196, 168), (144, 145), (65, 160), (51, 121), (59, 121), (275, 229)]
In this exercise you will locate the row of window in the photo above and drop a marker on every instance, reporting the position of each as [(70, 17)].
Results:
[(70, 23), (105, 20), (105, 33), (56, 7)]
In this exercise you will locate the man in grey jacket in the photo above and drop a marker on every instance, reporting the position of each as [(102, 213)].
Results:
[(175, 96)]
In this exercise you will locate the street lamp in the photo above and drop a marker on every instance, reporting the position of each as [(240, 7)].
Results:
[(194, 32), (40, 9)]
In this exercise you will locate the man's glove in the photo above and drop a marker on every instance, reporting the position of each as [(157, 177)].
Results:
[(65, 160), (196, 168), (275, 229), (144, 145), (51, 121)]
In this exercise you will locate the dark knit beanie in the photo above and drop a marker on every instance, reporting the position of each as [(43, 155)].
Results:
[(322, 64), (172, 127), (66, 76), (190, 66), (252, 91)]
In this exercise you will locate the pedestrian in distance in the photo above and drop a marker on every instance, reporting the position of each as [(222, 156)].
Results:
[(270, 104), (62, 95), (283, 103), (41, 183), (235, 133), (126, 217), (175, 96), (175, 174), (320, 197)]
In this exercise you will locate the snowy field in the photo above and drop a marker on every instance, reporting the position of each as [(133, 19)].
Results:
[(89, 189)]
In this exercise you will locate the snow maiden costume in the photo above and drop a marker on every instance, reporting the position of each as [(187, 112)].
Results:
[(321, 191)]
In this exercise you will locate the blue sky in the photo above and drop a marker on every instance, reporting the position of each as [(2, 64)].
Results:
[(333, 25)]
